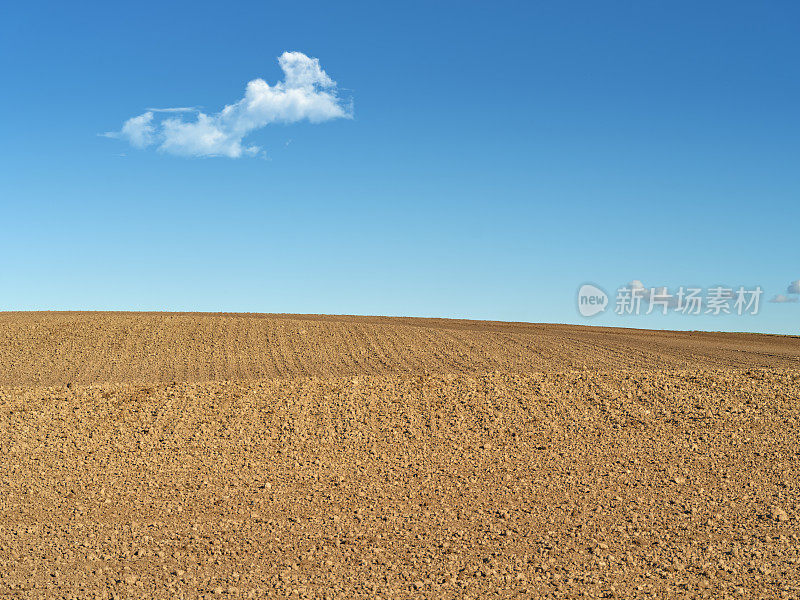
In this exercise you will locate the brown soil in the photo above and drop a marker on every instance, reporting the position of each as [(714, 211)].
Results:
[(285, 456)]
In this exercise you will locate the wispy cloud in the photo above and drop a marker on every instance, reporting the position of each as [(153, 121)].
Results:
[(794, 287), (306, 93), (781, 298), (179, 109)]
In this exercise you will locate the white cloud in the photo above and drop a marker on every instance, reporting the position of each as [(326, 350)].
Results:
[(139, 131), (306, 93), (636, 285), (179, 109), (780, 298), (794, 287)]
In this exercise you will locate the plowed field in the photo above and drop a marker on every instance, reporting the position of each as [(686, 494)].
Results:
[(284, 456)]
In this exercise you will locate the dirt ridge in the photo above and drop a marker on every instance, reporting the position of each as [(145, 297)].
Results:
[(51, 348), (262, 456)]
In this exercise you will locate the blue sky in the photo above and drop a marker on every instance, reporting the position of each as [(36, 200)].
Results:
[(495, 157)]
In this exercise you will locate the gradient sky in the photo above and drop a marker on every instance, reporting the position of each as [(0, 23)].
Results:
[(499, 155)]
